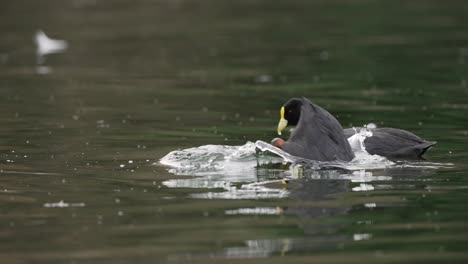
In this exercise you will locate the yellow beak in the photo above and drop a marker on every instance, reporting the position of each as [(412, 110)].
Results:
[(283, 122)]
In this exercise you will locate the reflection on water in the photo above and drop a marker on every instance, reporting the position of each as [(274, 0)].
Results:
[(255, 211), (260, 248), (363, 187), (314, 190), (358, 237), (63, 204), (255, 190)]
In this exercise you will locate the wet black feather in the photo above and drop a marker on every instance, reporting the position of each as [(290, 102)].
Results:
[(318, 135)]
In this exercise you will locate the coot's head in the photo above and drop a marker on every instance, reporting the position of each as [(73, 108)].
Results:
[(290, 114)]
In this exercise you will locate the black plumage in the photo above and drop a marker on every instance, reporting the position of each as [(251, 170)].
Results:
[(394, 143), (317, 136)]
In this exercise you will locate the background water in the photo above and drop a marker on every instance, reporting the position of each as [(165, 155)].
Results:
[(142, 78)]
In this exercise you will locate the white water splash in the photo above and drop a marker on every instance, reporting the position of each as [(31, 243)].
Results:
[(243, 172), (234, 170), (362, 159), (356, 141)]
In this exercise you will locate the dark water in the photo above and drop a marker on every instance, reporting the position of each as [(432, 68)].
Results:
[(142, 78)]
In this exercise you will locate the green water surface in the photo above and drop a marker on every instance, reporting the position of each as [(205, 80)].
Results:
[(142, 78)]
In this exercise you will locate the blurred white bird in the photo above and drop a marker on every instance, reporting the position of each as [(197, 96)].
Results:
[(46, 45)]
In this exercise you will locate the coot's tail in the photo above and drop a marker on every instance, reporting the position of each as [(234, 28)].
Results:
[(423, 147), (414, 152)]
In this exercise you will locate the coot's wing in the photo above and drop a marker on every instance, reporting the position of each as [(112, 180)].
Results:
[(396, 143), (403, 134)]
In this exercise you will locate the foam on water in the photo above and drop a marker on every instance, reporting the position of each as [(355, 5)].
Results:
[(237, 170), (213, 160)]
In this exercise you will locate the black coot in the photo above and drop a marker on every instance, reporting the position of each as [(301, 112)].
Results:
[(317, 136), (394, 143)]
